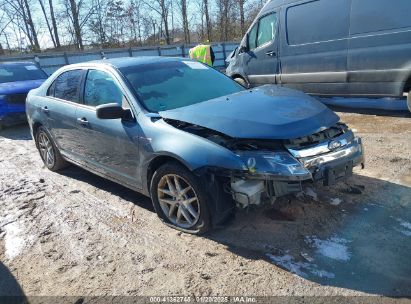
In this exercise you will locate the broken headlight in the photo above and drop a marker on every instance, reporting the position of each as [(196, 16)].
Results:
[(277, 164)]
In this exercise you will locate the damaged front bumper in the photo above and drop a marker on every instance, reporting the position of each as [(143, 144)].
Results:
[(275, 174)]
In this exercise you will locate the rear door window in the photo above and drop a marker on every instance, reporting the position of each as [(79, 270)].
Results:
[(100, 88), (67, 85)]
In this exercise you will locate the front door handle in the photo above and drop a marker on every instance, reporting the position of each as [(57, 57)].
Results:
[(45, 109), (82, 121), (271, 53)]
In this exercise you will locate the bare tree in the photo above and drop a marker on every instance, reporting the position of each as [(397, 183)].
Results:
[(161, 7), (135, 18), (54, 23), (183, 8), (208, 21), (4, 22), (29, 21), (242, 17), (20, 13), (79, 13), (224, 22), (97, 22), (43, 9)]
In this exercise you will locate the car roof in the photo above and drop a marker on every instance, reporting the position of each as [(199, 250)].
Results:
[(135, 61)]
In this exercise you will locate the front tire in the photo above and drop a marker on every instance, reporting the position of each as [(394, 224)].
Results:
[(409, 100), (179, 199), (49, 153), (241, 82)]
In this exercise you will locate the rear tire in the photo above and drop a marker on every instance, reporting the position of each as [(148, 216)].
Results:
[(409, 100), (180, 199), (49, 153)]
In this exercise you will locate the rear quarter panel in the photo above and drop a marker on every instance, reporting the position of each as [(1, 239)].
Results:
[(379, 56)]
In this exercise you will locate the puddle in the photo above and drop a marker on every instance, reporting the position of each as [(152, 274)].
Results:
[(303, 269), (335, 201), (405, 227), (333, 248)]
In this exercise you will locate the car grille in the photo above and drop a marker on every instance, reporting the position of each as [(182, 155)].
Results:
[(17, 98), (316, 138)]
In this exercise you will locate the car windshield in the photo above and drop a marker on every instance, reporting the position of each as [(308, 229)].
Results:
[(11, 73), (170, 85)]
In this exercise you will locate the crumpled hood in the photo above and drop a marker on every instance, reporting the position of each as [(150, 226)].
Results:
[(267, 112), (19, 86)]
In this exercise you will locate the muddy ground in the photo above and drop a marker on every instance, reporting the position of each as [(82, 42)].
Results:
[(73, 233)]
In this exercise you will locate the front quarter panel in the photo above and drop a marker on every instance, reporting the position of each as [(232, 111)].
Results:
[(161, 139)]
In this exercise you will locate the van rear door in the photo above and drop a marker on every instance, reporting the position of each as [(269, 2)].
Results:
[(260, 61)]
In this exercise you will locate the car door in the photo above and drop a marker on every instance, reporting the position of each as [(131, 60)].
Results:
[(260, 61), (109, 146), (60, 107)]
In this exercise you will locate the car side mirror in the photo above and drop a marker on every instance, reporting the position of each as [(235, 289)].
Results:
[(112, 111), (243, 49), (244, 45)]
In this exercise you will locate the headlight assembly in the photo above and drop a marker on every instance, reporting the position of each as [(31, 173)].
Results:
[(275, 164)]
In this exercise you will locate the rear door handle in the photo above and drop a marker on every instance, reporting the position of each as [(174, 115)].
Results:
[(271, 53), (45, 109), (82, 121)]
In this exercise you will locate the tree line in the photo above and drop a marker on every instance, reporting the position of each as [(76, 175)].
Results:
[(38, 25)]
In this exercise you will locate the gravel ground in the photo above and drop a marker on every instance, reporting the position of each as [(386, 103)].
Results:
[(73, 233)]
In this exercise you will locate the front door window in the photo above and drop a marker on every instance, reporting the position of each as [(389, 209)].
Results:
[(101, 88), (266, 29)]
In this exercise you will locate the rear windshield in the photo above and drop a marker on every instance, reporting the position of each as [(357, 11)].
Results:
[(170, 85), (11, 73)]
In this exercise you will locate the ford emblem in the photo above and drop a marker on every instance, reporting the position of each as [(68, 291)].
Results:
[(334, 145)]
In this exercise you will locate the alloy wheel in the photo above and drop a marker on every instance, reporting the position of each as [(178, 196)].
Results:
[(178, 200), (46, 149)]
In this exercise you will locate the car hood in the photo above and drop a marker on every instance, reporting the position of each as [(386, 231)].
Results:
[(267, 112), (19, 86)]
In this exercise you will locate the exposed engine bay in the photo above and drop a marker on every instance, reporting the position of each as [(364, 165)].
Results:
[(279, 167)]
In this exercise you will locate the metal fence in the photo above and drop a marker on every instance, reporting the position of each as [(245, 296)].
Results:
[(50, 62)]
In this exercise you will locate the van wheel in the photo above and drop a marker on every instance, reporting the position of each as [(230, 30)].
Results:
[(241, 81), (179, 199), (409, 100), (49, 153)]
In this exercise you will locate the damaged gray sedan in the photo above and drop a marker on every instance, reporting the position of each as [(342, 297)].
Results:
[(189, 137)]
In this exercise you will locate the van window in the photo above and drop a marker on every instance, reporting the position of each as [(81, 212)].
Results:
[(317, 21), (252, 37), (379, 15), (266, 29)]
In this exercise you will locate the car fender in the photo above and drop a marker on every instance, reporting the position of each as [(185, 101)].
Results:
[(192, 151)]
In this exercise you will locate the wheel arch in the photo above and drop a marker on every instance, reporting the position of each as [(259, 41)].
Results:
[(407, 85), (244, 78), (160, 160), (237, 75), (36, 126)]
